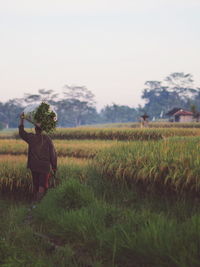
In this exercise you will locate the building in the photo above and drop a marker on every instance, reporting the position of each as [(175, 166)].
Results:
[(180, 115)]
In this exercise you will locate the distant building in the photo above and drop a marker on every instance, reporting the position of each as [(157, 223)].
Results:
[(180, 115)]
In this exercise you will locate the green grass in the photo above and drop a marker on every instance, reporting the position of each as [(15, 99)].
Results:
[(15, 178), (97, 222), (69, 148), (121, 134), (171, 164), (96, 216)]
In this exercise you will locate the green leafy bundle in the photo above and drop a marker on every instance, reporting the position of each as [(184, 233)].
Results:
[(45, 117)]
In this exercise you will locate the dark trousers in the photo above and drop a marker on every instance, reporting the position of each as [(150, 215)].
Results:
[(40, 180)]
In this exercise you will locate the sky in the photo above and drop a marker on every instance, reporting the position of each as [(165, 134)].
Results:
[(112, 47)]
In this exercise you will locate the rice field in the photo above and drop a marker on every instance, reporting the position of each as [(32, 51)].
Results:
[(173, 164), (16, 178), (69, 148), (116, 203), (158, 124), (120, 134)]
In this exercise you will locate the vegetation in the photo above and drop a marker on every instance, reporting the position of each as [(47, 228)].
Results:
[(167, 165), (133, 203), (177, 90), (69, 148), (123, 134), (76, 105), (1, 126), (100, 223), (15, 178), (46, 117)]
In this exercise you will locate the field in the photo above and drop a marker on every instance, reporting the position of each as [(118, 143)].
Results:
[(123, 197)]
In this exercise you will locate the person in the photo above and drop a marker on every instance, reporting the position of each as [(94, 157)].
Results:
[(144, 120), (42, 158)]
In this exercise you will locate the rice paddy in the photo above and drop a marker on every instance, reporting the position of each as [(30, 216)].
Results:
[(70, 148), (127, 197)]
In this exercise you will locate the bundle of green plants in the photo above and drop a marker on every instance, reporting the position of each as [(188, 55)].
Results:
[(41, 115)]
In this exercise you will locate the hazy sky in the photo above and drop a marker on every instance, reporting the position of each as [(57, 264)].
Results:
[(110, 46)]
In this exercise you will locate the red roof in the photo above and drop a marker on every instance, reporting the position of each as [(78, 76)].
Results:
[(183, 112)]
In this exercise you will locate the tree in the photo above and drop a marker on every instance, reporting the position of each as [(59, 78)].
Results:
[(1, 126), (196, 113), (32, 98), (176, 90), (9, 112), (48, 95), (158, 99), (77, 105), (118, 113), (42, 95), (80, 93), (179, 80), (183, 85)]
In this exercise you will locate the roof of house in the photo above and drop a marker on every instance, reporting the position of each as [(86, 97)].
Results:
[(183, 113), (172, 111)]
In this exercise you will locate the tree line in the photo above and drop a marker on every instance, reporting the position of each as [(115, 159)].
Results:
[(176, 91), (76, 105)]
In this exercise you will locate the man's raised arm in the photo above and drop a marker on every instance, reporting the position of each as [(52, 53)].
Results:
[(22, 133)]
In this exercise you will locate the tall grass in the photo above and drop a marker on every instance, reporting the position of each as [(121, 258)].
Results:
[(172, 164), (120, 133), (117, 236), (90, 221), (16, 178), (70, 148), (98, 216)]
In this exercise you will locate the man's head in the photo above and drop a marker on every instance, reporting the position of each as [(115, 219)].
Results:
[(38, 130)]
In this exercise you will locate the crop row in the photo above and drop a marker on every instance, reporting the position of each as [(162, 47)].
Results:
[(69, 148), (171, 164), (15, 177), (151, 124), (120, 133)]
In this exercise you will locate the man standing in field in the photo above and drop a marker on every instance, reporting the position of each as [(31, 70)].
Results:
[(42, 157)]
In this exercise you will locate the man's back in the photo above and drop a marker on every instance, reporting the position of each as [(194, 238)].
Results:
[(41, 151)]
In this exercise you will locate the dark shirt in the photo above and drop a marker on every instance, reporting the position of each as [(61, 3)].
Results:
[(41, 152)]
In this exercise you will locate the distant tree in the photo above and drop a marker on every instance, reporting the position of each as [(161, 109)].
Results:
[(77, 105), (42, 95), (179, 80), (183, 85), (32, 98), (69, 114), (176, 90), (157, 99), (48, 95), (195, 112), (80, 93), (1, 126), (9, 112), (118, 113)]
